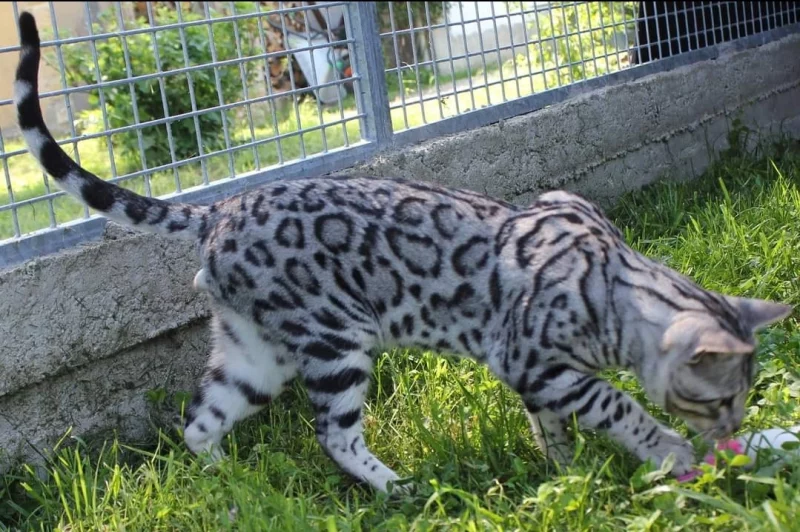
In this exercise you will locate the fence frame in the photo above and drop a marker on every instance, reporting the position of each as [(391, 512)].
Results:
[(361, 22)]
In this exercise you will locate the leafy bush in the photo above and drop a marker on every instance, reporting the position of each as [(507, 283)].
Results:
[(579, 40), (80, 69)]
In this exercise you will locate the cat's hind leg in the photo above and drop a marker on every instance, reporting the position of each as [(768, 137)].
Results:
[(244, 373), (337, 383)]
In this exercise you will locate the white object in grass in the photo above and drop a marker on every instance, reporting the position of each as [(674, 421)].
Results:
[(775, 438)]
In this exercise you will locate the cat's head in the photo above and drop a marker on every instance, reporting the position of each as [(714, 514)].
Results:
[(707, 369)]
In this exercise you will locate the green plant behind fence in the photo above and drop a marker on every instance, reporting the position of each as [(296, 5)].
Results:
[(574, 41), (119, 100)]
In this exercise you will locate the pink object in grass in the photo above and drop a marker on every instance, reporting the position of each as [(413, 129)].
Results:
[(691, 475), (730, 445)]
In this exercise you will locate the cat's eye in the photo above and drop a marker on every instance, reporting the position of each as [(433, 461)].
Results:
[(700, 356)]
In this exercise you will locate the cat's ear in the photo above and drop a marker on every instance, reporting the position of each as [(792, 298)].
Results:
[(718, 340), (694, 334), (756, 314)]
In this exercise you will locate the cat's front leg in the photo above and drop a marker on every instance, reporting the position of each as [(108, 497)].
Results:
[(598, 405), (550, 433)]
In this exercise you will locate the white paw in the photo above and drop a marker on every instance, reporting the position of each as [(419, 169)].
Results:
[(560, 453), (203, 443), (400, 487), (672, 443)]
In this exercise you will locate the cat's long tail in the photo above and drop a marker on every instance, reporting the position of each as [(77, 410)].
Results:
[(117, 203)]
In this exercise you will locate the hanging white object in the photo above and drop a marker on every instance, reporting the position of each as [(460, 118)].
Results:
[(318, 71)]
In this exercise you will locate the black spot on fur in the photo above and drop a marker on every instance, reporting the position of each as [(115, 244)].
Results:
[(261, 307), (320, 259), (415, 290), (217, 413), (334, 231), (289, 233), (136, 209), (398, 289), (471, 256), (327, 319), (347, 420), (337, 382), (253, 396), (301, 275), (445, 220), (245, 277), (559, 302), (174, 227), (340, 343), (229, 246), (409, 211), (495, 291), (101, 198), (226, 328), (421, 255), (162, 215), (408, 324), (261, 216), (294, 328), (359, 279), (321, 351), (218, 375), (259, 255)]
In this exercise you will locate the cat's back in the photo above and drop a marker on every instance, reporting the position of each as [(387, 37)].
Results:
[(557, 224), (376, 233)]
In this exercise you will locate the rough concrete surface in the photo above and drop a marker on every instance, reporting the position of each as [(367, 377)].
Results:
[(84, 334), (65, 311), (104, 398)]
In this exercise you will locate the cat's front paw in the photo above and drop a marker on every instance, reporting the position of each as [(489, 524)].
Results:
[(666, 443), (401, 488)]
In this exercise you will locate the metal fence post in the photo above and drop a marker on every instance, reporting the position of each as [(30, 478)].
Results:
[(372, 95)]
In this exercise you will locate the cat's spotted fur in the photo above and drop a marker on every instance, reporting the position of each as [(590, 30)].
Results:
[(307, 277)]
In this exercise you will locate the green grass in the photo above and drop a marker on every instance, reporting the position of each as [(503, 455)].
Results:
[(461, 435)]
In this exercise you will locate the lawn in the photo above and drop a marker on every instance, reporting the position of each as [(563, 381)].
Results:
[(461, 435)]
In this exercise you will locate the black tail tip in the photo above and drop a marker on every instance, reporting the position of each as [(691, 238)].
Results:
[(29, 34)]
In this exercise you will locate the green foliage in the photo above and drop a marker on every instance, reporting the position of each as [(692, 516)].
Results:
[(119, 99), (579, 40)]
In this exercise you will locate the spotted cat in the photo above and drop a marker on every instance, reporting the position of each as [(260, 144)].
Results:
[(308, 277)]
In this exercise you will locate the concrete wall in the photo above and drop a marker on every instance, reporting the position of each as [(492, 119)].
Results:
[(85, 334)]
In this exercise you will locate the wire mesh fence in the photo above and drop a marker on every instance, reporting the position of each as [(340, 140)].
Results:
[(170, 97), (165, 98), (478, 54)]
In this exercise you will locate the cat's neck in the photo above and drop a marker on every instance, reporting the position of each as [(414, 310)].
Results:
[(643, 311)]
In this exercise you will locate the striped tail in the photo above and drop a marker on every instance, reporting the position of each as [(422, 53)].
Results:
[(121, 205)]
